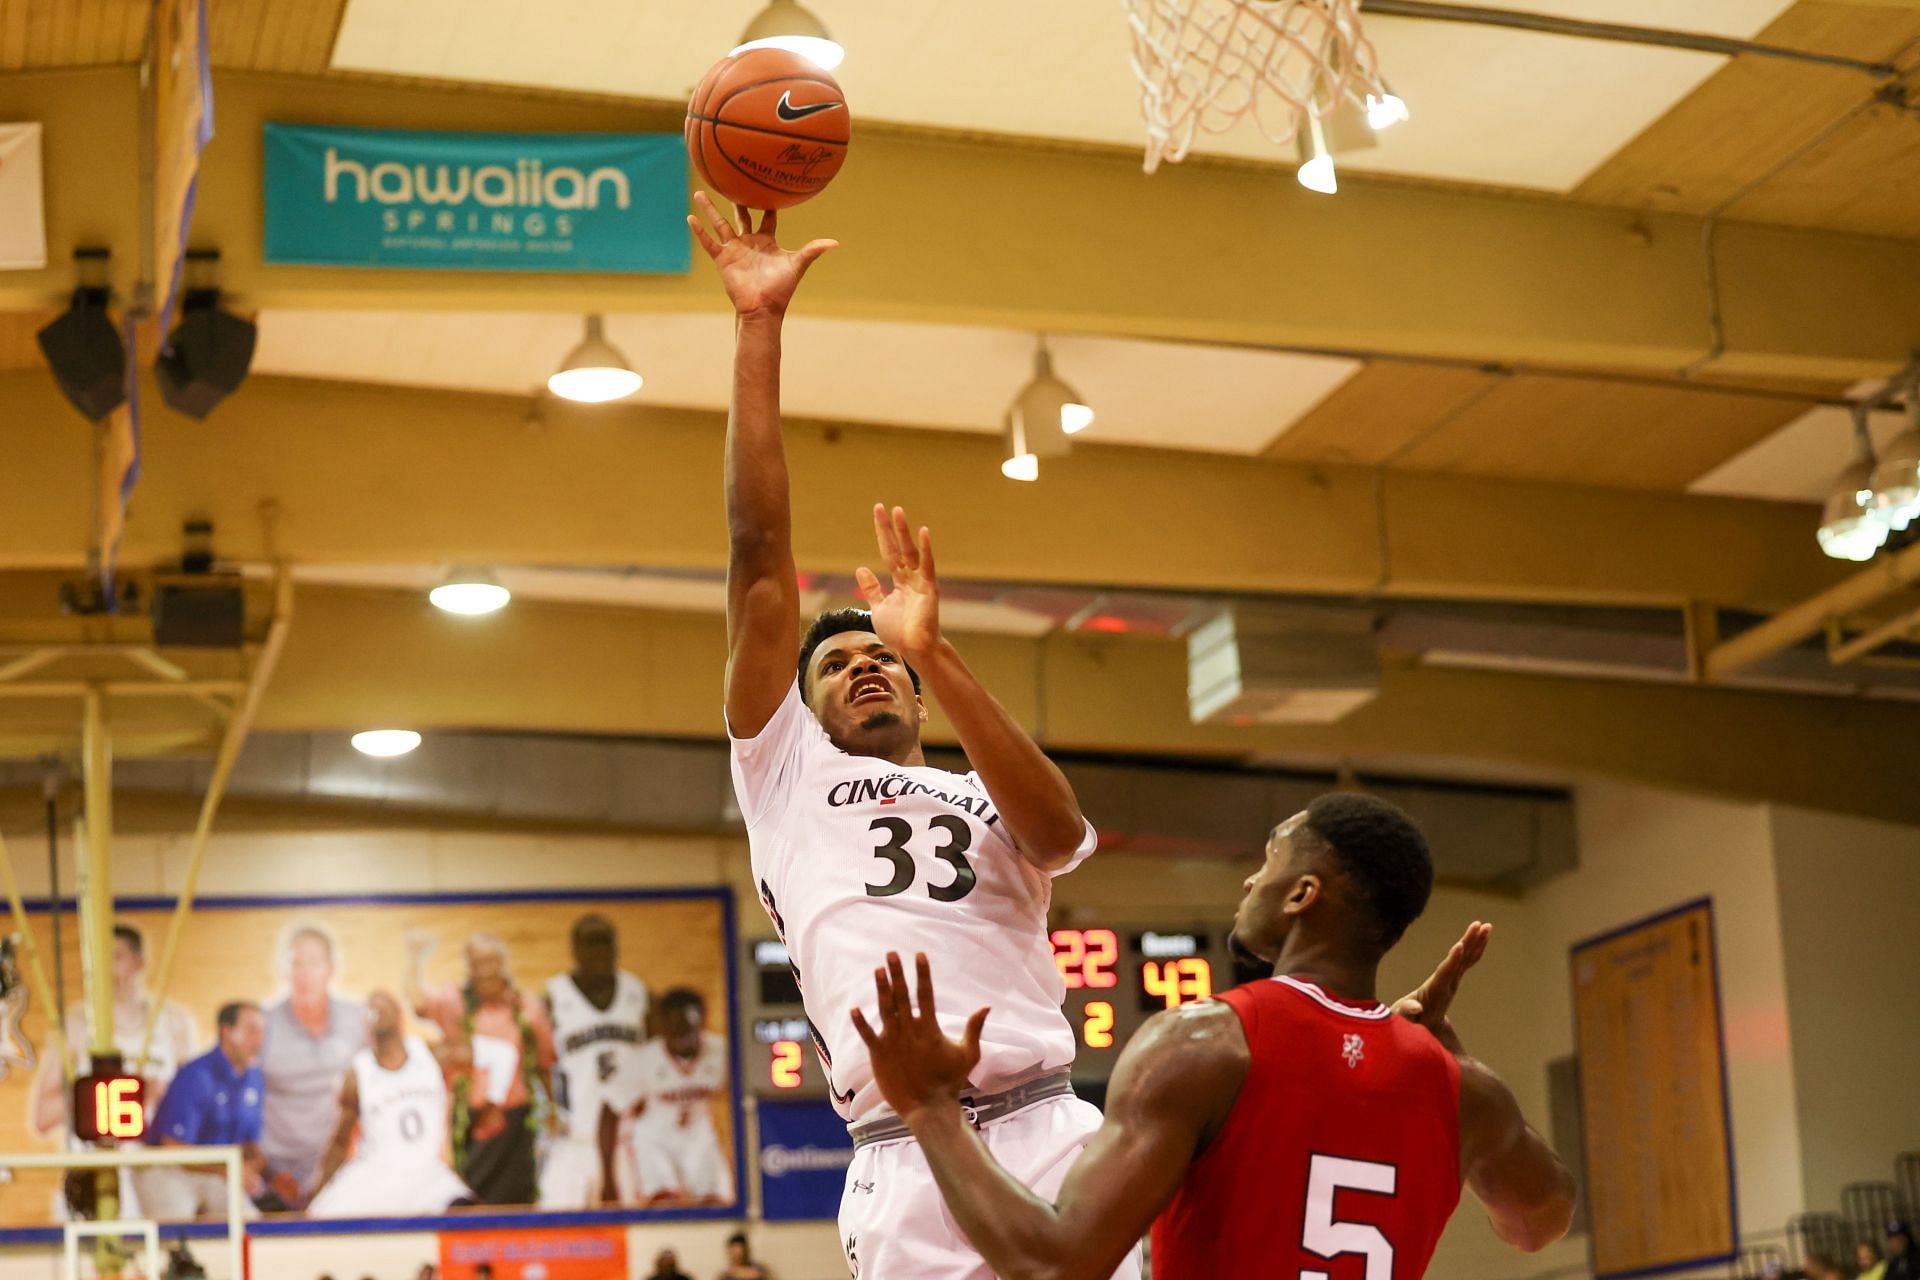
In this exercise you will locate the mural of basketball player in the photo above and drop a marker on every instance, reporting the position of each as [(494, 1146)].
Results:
[(15, 1050), (671, 1149), (599, 1016), (395, 1099)]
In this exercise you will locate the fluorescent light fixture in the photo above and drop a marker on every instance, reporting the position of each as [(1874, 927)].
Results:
[(594, 372), (385, 743), (785, 24), (470, 592), (1316, 168)]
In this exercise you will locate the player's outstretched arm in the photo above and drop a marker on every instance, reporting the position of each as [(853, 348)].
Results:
[(763, 599), (1171, 1092), (1035, 800), (342, 1140), (1528, 1192)]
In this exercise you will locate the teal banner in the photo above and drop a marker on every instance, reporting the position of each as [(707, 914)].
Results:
[(476, 201)]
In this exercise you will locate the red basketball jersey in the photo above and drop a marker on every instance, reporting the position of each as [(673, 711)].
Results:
[(1340, 1159)]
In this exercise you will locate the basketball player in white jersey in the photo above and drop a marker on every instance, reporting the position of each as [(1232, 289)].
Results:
[(856, 843), (671, 1150), (395, 1098), (599, 1016)]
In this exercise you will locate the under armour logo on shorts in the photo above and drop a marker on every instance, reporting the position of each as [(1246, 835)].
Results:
[(1353, 1049)]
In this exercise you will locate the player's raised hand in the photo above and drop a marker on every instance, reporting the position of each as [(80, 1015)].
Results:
[(1428, 1003), (913, 1061), (759, 275), (907, 617)]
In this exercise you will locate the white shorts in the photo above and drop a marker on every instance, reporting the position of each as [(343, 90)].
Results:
[(894, 1224), (364, 1189), (656, 1162), (570, 1174)]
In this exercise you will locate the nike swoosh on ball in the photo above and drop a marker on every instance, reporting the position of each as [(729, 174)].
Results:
[(787, 111)]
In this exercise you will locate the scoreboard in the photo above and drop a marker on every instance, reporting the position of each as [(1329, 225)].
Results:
[(1116, 977)]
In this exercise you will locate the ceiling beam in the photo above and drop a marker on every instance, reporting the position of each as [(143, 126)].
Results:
[(331, 473), (361, 658), (954, 230)]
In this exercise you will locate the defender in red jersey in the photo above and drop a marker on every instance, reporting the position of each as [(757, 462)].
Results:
[(1295, 1128)]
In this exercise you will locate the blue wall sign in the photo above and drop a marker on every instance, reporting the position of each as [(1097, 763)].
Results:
[(614, 202), (804, 1154)]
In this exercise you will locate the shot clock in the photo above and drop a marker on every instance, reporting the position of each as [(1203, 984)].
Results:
[(109, 1103)]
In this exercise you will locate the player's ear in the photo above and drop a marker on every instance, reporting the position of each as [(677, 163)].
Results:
[(919, 702), (1305, 892)]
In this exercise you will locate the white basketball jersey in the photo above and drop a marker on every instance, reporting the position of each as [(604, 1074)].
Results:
[(403, 1112), (855, 856), (595, 1048), (679, 1095)]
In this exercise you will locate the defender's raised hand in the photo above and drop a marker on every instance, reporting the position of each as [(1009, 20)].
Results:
[(907, 617), (913, 1061), (1428, 1003), (759, 275)]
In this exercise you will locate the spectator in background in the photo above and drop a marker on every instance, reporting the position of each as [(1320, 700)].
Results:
[(740, 1263), (311, 1036), (666, 1266), (1867, 1261), (214, 1101), (1901, 1262), (1820, 1267), (483, 1271), (499, 1048)]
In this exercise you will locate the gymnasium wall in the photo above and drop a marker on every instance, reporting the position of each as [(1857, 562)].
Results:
[(1642, 851), (1849, 892)]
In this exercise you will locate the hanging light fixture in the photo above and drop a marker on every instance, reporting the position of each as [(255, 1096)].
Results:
[(470, 591), (785, 24), (1896, 481), (385, 743), (594, 372), (1852, 525), (1020, 464), (1386, 108), (1047, 410), (1316, 162)]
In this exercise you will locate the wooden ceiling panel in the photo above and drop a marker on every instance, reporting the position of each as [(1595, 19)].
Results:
[(71, 33), (292, 36), (1591, 431), (1758, 114), (1378, 412)]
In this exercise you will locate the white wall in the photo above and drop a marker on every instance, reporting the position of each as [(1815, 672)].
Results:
[(1849, 894)]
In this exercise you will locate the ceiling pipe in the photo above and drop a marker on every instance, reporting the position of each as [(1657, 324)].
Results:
[(1552, 24), (1879, 580)]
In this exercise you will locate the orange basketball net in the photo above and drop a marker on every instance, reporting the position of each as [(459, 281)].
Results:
[(1206, 64)]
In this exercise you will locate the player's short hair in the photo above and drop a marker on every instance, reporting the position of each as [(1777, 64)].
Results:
[(681, 998), (132, 937), (310, 930), (229, 1016), (592, 920), (738, 1237), (832, 623), (1381, 850)]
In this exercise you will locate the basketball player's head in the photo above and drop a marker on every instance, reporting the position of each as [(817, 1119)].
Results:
[(863, 693), (129, 958), (309, 962), (487, 967), (243, 1031), (383, 1015), (683, 1016), (595, 950), (1349, 873)]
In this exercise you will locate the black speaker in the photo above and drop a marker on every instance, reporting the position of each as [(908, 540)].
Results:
[(208, 614), (88, 360), (207, 355)]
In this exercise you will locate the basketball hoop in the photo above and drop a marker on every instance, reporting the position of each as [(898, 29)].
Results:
[(1206, 64)]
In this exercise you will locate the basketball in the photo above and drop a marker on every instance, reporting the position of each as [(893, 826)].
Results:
[(767, 128)]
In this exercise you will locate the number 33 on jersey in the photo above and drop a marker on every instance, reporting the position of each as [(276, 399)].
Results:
[(856, 856)]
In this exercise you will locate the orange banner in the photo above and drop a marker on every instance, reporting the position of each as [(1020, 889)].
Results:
[(589, 1253)]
